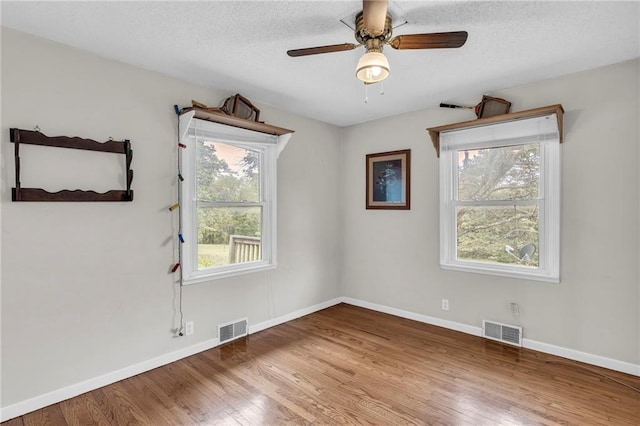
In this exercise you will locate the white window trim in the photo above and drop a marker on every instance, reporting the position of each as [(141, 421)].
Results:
[(542, 129), (190, 129)]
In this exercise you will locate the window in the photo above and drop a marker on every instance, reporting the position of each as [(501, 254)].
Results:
[(228, 208), (500, 199)]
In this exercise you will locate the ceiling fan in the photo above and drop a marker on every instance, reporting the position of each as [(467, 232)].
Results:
[(373, 30)]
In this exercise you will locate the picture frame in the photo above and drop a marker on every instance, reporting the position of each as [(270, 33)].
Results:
[(388, 180)]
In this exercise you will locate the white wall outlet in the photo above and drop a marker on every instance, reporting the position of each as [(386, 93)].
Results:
[(188, 328), (445, 304), (515, 309)]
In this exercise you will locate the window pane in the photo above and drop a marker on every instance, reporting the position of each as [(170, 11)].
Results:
[(498, 234), (227, 173), (504, 173), (229, 235)]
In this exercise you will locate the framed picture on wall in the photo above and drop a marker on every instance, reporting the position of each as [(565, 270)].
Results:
[(389, 180)]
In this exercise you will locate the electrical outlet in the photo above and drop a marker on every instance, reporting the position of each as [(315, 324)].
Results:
[(515, 309), (188, 328), (445, 304)]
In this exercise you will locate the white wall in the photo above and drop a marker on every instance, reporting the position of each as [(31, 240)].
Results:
[(391, 257), (85, 286)]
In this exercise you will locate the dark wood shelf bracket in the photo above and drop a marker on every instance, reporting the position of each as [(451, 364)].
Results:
[(31, 137)]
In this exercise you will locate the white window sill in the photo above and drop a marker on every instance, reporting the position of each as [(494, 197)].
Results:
[(503, 271), (212, 276)]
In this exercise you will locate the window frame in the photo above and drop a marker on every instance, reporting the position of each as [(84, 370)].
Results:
[(192, 129), (543, 130)]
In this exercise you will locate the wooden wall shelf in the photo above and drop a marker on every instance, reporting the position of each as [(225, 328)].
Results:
[(557, 109), (231, 120), (36, 194), (30, 137)]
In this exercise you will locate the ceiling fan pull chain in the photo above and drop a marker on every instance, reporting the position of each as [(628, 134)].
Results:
[(382, 87), (366, 95)]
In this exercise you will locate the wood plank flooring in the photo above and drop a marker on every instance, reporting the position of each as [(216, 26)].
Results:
[(349, 365)]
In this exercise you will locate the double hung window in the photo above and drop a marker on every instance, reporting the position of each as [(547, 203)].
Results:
[(228, 209), (500, 199)]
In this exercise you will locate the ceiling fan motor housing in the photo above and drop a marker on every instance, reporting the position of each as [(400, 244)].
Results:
[(363, 36)]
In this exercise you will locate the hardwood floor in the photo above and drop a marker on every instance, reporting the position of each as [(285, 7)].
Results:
[(349, 365)]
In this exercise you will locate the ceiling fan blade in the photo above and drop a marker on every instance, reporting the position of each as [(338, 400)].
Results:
[(429, 41), (321, 49), (374, 14)]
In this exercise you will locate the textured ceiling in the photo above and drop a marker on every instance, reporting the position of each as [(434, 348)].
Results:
[(240, 47)]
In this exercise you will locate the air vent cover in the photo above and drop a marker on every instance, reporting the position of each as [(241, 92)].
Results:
[(511, 334), (232, 330)]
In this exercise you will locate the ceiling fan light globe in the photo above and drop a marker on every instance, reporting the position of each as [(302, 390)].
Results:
[(372, 68)]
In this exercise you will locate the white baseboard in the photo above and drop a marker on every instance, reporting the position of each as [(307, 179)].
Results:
[(58, 395), (293, 315), (476, 331), (597, 360)]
